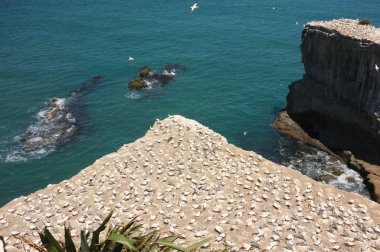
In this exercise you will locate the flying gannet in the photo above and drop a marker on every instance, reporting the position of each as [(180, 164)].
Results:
[(193, 7)]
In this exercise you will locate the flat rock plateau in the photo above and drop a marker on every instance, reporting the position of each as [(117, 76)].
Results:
[(183, 178)]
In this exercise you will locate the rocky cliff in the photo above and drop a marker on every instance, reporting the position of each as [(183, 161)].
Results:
[(337, 101)]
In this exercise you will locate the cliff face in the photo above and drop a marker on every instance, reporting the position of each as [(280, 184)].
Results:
[(336, 105), (338, 99)]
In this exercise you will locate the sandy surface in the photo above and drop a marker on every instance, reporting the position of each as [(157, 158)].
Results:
[(350, 28), (184, 178)]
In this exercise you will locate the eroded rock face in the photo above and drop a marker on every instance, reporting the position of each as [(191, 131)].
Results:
[(338, 99), (336, 105)]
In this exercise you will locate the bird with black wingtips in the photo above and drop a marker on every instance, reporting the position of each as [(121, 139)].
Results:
[(2, 244), (193, 7)]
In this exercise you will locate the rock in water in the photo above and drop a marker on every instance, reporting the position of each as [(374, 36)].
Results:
[(137, 84), (144, 71), (148, 78), (55, 124)]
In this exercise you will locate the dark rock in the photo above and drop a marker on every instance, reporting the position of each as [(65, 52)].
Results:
[(153, 78), (138, 83), (336, 171), (326, 178), (351, 180), (144, 71), (95, 79), (337, 102), (162, 78), (56, 124)]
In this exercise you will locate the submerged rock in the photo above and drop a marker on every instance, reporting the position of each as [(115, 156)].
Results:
[(55, 124)]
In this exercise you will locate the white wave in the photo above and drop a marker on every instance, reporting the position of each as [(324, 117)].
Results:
[(42, 114), (61, 102), (315, 163), (23, 156), (15, 157), (133, 95), (150, 83), (70, 118), (35, 139), (357, 185), (169, 73)]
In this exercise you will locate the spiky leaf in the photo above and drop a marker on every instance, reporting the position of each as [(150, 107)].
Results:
[(198, 244), (52, 244), (122, 240), (69, 244), (96, 233), (83, 242), (172, 245)]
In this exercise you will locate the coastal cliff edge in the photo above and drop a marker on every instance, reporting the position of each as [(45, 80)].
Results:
[(184, 178), (337, 102)]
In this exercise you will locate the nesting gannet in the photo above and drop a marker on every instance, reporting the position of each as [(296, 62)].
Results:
[(193, 7), (2, 244), (376, 68), (131, 58)]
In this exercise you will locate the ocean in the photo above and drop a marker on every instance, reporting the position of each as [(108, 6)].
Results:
[(235, 59)]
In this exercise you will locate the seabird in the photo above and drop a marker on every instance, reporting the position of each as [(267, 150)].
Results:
[(194, 6), (131, 58), (2, 244), (376, 68), (245, 133)]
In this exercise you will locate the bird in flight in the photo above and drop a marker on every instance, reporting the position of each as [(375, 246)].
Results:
[(131, 58), (193, 7)]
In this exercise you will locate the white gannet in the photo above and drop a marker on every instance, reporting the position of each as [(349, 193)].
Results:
[(245, 133), (376, 68), (2, 244), (193, 7), (169, 73), (131, 58)]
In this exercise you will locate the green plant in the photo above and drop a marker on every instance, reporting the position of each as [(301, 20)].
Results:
[(127, 238), (365, 21)]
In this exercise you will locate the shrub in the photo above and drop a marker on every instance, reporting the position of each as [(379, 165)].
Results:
[(127, 238)]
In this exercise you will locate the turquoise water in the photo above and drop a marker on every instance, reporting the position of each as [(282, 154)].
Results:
[(238, 59)]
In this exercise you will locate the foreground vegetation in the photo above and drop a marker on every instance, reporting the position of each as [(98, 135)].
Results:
[(127, 238)]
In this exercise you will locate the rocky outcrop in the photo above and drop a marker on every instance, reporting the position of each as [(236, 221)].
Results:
[(337, 102), (183, 178), (148, 78), (55, 124)]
